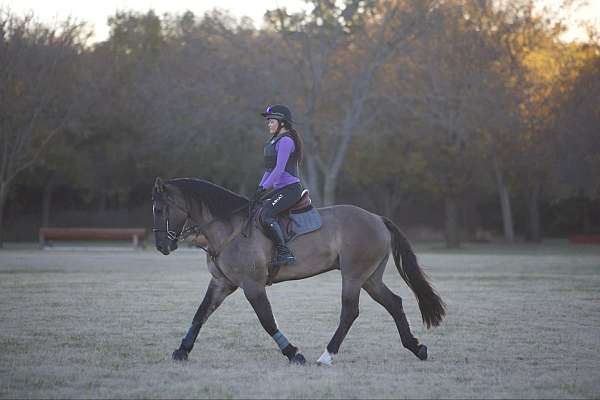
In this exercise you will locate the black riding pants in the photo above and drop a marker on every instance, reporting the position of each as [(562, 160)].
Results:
[(279, 201)]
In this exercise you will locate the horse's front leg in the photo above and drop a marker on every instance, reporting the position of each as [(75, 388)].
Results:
[(217, 291), (257, 297)]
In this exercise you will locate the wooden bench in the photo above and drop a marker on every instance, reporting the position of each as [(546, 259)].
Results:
[(136, 235), (585, 239)]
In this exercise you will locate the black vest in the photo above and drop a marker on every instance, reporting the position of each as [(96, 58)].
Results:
[(270, 153)]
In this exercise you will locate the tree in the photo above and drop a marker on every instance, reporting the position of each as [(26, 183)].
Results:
[(578, 123), (338, 51), (447, 83), (38, 85)]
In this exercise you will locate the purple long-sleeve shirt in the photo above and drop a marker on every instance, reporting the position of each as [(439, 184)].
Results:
[(278, 177)]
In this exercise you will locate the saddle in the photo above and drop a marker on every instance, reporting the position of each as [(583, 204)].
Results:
[(299, 219)]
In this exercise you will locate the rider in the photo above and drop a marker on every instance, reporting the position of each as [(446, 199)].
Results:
[(282, 154)]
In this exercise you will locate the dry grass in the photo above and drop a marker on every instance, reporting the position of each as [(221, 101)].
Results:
[(523, 323)]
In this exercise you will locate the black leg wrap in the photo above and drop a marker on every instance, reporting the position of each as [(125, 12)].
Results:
[(290, 351), (180, 354), (422, 352)]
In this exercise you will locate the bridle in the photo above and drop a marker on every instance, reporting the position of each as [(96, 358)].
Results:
[(195, 228), (171, 234)]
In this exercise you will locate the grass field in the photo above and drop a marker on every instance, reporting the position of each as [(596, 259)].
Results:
[(523, 322)]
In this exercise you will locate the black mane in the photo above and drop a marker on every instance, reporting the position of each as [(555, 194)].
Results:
[(220, 201)]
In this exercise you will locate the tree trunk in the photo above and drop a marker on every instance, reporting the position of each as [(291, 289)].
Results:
[(587, 218), (535, 226), (47, 202), (3, 196), (452, 223), (389, 203), (313, 181), (329, 186), (102, 202), (507, 218)]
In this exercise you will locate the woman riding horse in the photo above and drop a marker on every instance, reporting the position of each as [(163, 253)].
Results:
[(352, 240), (282, 154)]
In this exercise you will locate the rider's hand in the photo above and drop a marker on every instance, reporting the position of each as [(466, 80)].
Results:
[(258, 194)]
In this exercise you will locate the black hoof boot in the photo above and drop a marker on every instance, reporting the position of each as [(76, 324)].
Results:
[(298, 359), (180, 355), (284, 256), (422, 352), (291, 352)]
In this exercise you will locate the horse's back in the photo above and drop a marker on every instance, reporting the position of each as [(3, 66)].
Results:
[(349, 237), (356, 227)]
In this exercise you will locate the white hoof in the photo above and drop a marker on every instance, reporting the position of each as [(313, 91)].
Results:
[(326, 359)]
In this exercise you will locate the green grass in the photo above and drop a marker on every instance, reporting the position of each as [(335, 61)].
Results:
[(523, 322)]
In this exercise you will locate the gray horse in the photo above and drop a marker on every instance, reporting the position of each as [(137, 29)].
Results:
[(351, 239)]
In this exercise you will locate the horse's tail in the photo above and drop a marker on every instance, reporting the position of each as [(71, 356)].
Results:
[(431, 305)]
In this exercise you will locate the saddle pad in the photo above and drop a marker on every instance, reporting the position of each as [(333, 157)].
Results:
[(304, 222)]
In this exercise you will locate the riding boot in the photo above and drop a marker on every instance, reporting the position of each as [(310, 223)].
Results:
[(283, 255)]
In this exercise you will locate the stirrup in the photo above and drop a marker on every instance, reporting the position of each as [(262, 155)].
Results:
[(283, 256)]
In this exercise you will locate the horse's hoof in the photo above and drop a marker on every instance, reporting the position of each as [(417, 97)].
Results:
[(180, 355), (298, 359), (422, 352), (326, 359)]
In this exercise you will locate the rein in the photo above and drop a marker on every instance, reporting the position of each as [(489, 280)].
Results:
[(196, 228)]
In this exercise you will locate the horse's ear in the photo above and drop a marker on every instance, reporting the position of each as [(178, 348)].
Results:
[(159, 186)]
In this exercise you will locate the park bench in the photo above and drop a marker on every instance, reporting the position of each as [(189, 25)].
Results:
[(585, 239), (136, 235)]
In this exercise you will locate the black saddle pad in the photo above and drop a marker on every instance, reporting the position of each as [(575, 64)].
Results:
[(298, 223)]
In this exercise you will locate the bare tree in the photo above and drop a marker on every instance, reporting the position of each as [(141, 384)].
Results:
[(337, 53), (37, 85)]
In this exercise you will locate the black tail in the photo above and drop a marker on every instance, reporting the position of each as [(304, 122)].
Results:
[(431, 305)]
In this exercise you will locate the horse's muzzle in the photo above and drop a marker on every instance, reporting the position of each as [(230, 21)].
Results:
[(166, 250), (163, 250)]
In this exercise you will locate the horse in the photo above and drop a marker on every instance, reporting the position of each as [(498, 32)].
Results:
[(351, 239)]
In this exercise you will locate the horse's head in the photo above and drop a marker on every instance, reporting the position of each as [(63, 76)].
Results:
[(170, 216)]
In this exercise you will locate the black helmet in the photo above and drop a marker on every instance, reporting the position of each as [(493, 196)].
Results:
[(278, 112)]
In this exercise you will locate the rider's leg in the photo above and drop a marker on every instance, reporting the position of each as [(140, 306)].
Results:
[(278, 202)]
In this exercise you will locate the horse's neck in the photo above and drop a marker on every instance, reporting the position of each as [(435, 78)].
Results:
[(220, 232)]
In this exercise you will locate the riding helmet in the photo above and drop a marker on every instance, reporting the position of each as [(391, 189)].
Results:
[(278, 112)]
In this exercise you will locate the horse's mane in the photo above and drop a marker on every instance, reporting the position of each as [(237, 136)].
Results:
[(221, 202)]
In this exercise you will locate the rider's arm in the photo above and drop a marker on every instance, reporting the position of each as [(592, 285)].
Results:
[(264, 178), (284, 148)]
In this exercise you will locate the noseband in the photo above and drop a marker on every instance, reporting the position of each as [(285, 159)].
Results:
[(212, 253), (173, 235), (196, 228)]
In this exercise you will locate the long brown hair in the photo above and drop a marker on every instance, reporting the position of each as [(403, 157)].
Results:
[(298, 142)]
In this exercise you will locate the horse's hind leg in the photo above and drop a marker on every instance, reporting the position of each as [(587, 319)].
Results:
[(350, 298), (393, 304), (257, 296), (217, 291)]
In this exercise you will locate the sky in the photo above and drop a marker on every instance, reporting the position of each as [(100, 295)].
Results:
[(96, 12)]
